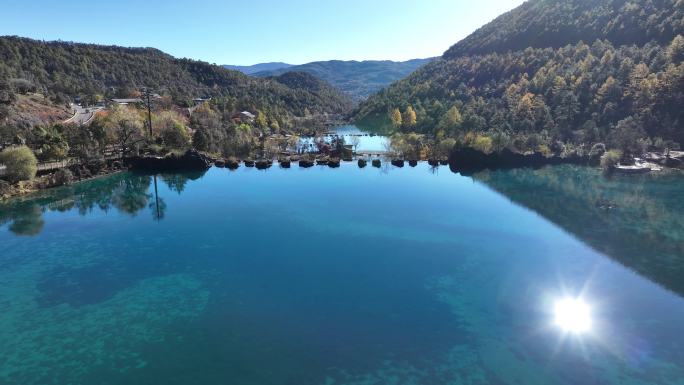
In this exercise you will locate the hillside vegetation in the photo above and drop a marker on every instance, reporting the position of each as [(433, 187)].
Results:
[(62, 70), (312, 90), (38, 80), (556, 23), (526, 81)]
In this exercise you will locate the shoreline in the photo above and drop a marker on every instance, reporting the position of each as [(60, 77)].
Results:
[(465, 161), (43, 183)]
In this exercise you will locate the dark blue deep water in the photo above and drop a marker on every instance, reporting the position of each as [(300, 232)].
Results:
[(345, 276)]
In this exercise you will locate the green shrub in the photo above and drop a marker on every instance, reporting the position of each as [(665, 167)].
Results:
[(6, 93), (23, 86), (544, 150), (176, 136), (599, 149), (54, 151), (500, 140), (200, 140), (611, 159), (21, 163), (4, 109), (156, 149), (445, 147), (63, 177), (51, 144), (5, 188), (483, 143)]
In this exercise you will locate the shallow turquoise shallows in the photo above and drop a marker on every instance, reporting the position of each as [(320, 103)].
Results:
[(346, 276)]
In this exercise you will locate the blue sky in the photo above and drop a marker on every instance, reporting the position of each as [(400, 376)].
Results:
[(255, 31)]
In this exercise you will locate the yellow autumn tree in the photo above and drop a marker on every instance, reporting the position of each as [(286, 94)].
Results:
[(395, 116), (125, 127), (261, 120), (410, 118)]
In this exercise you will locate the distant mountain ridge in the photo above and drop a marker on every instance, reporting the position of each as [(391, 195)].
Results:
[(261, 67), (358, 79)]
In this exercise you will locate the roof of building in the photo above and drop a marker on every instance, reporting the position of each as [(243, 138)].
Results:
[(248, 114), (127, 101)]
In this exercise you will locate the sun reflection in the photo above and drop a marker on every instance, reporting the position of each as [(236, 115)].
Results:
[(572, 315)]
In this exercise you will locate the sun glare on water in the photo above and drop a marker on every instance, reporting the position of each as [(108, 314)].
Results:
[(572, 316)]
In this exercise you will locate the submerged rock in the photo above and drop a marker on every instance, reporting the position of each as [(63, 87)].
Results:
[(413, 163), (362, 163), (674, 162), (377, 163), (220, 163), (249, 163), (263, 164), (398, 162), (232, 164), (306, 163)]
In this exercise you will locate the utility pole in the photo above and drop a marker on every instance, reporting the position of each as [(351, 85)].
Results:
[(149, 110)]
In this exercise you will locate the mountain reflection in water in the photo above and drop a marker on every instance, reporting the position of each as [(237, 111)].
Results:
[(636, 220)]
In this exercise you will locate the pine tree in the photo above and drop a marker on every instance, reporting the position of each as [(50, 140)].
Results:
[(675, 51), (451, 121), (6, 94)]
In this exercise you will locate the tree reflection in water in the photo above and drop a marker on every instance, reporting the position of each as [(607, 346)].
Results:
[(637, 220), (29, 221), (128, 193), (131, 195), (177, 182)]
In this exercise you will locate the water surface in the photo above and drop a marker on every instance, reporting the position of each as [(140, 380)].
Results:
[(343, 276)]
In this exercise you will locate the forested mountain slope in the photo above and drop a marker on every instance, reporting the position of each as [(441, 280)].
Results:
[(556, 23), (313, 90), (64, 70), (526, 80)]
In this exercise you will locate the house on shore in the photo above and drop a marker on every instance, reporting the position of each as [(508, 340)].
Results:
[(201, 100), (126, 102), (244, 117)]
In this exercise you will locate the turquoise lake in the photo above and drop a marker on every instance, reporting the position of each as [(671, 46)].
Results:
[(345, 276)]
